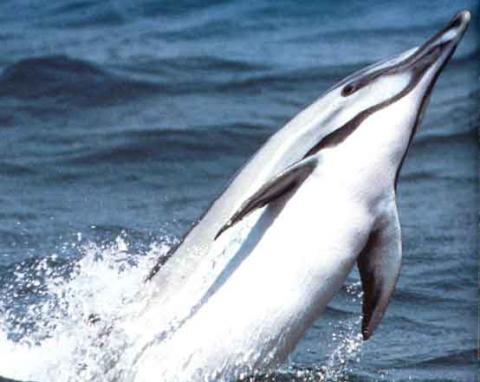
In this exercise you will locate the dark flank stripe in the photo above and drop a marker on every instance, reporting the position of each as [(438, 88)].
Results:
[(421, 112), (418, 64)]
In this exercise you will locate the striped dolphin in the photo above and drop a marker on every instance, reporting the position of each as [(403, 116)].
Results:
[(269, 254)]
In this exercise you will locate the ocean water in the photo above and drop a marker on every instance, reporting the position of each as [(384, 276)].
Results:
[(122, 120)]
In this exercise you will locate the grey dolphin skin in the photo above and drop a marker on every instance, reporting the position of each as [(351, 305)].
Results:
[(282, 164)]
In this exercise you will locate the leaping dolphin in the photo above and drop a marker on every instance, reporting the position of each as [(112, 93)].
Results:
[(317, 198)]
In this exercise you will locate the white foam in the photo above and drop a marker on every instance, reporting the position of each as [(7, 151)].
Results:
[(64, 345), (108, 281)]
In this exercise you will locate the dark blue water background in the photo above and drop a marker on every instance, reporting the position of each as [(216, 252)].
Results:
[(128, 117)]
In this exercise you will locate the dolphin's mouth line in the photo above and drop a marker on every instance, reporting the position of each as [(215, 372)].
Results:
[(419, 63), (419, 60), (419, 68), (423, 58)]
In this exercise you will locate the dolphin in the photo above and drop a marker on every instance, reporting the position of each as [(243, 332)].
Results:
[(319, 197)]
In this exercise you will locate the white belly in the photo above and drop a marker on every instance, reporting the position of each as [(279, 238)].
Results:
[(281, 279)]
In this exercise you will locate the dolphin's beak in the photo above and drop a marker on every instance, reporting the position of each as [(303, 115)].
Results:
[(453, 32), (439, 48), (435, 52), (431, 58)]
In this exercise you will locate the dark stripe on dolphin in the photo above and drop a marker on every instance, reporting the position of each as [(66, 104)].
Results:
[(344, 131), (368, 77), (339, 135), (423, 107), (418, 63)]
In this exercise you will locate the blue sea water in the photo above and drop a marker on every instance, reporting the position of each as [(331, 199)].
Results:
[(121, 121)]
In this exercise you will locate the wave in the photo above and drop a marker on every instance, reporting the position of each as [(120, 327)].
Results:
[(444, 136), (177, 145), (72, 81), (75, 82), (81, 13), (365, 32), (458, 357), (419, 176), (67, 80), (15, 169), (185, 63), (210, 74), (10, 380)]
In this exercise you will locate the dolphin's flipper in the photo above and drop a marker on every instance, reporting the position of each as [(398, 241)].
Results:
[(379, 266), (286, 181)]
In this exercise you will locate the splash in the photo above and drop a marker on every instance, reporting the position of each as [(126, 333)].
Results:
[(346, 342), (67, 332), (74, 320)]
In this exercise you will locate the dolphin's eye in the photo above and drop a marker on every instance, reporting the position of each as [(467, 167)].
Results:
[(349, 89)]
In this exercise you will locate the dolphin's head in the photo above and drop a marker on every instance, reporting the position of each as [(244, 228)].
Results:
[(415, 70), (392, 93)]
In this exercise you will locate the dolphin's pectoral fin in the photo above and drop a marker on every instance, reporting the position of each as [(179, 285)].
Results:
[(286, 181), (379, 266)]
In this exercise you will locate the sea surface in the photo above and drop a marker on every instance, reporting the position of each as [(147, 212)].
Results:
[(121, 120)]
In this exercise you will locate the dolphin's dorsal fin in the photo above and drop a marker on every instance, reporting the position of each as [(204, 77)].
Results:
[(379, 266), (284, 182)]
